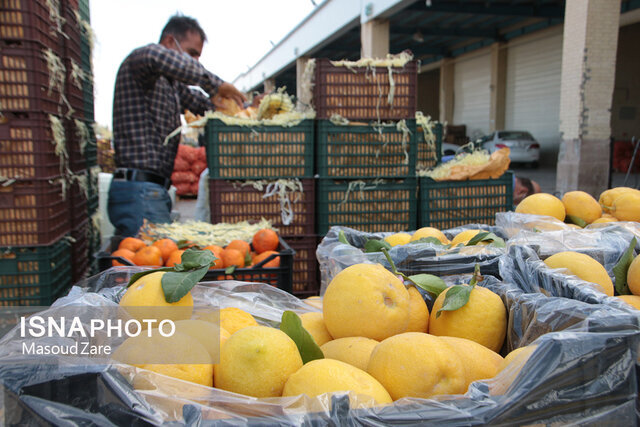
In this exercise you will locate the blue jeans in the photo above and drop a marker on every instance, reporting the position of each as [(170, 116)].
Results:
[(132, 201)]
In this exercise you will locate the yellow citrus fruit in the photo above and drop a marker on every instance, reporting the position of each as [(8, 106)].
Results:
[(633, 276), (425, 232), (414, 364), (398, 239), (478, 361), (418, 312), (583, 266), (314, 301), (608, 196), (314, 324), (182, 356), (233, 319), (627, 207), (520, 354), (542, 204), (632, 300), (329, 375), (482, 319), (257, 361), (582, 205), (361, 293), (147, 292), (464, 237), (355, 351), (603, 220), (206, 333)]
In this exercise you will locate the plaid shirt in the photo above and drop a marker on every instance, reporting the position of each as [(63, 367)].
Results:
[(151, 92)]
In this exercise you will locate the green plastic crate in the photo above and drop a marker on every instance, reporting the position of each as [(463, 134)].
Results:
[(449, 204), (429, 155), (34, 275), (365, 150), (367, 204), (259, 152)]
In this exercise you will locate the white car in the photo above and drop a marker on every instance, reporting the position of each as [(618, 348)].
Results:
[(524, 148)]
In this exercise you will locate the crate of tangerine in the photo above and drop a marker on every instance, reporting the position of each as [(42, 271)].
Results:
[(368, 89)]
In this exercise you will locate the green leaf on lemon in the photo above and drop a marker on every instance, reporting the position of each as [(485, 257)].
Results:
[(622, 267), (457, 296), (374, 245), (342, 238), (577, 221), (430, 283), (291, 324), (176, 284), (433, 240), (486, 236)]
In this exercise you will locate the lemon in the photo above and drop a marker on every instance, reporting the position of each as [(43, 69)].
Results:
[(328, 375), (603, 220), (521, 355), (233, 319), (147, 292), (314, 301), (632, 300), (314, 324), (627, 207), (414, 364), (478, 361), (582, 205), (429, 232), (633, 276), (257, 361), (608, 196), (542, 204), (366, 300), (482, 319), (179, 356), (583, 266), (355, 351), (206, 333), (418, 312), (464, 237), (398, 239)]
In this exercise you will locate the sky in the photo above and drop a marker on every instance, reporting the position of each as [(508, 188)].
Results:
[(239, 33)]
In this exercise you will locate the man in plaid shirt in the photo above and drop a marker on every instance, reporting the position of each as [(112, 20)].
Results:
[(151, 91)]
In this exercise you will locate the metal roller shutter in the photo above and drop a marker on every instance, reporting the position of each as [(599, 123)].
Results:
[(533, 89), (472, 96)]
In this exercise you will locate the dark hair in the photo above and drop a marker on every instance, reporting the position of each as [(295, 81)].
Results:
[(526, 182), (179, 25)]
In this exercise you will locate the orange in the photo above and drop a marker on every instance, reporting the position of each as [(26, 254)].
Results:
[(132, 243), (265, 240), (166, 246), (149, 255), (241, 246), (232, 257), (217, 252), (264, 255), (124, 253), (174, 258)]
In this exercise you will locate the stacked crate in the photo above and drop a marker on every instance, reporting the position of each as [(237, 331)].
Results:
[(267, 172), (34, 208), (367, 166)]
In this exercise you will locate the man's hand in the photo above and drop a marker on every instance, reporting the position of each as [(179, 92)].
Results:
[(227, 90)]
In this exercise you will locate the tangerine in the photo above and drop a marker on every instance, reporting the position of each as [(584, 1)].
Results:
[(132, 243), (166, 246), (149, 255), (216, 251), (123, 253), (264, 255), (174, 258), (231, 257), (241, 246), (265, 240)]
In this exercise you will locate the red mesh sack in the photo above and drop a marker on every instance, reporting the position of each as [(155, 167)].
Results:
[(183, 177), (181, 165), (202, 154), (182, 188), (198, 167), (188, 153)]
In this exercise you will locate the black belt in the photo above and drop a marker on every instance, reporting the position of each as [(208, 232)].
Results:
[(140, 175)]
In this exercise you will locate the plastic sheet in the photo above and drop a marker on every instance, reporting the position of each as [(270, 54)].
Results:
[(582, 371), (334, 256)]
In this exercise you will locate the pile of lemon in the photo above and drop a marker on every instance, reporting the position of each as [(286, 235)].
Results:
[(379, 340)]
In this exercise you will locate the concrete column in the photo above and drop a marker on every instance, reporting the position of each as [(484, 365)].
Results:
[(498, 86), (446, 91), (374, 37), (588, 77), (304, 92), (269, 85)]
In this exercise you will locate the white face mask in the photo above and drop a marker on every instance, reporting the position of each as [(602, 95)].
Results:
[(180, 48)]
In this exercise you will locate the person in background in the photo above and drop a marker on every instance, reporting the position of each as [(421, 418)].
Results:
[(523, 187), (151, 91)]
